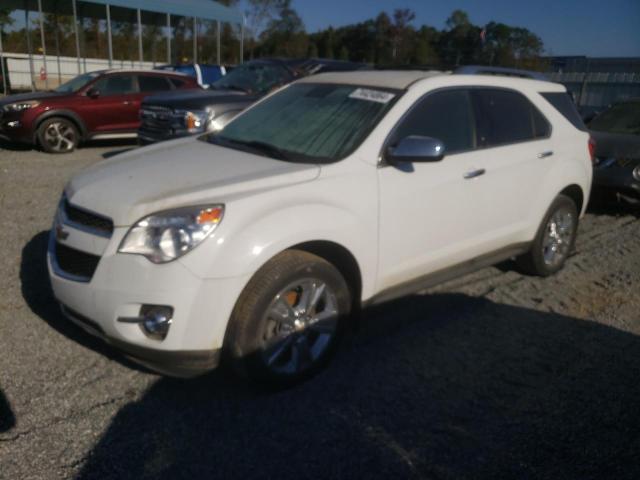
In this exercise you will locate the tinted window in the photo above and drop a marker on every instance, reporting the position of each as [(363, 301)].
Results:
[(563, 102), (446, 116), (255, 78), (177, 82), (76, 83), (506, 117), (622, 118), (115, 85), (153, 84)]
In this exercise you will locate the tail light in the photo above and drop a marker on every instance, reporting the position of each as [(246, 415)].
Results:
[(592, 150)]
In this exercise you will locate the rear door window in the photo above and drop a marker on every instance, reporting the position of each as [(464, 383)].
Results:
[(116, 85), (446, 116), (151, 83), (504, 117)]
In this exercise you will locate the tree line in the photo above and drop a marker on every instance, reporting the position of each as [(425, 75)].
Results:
[(275, 29)]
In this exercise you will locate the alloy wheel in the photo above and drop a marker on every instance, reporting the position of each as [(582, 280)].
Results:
[(558, 236), (60, 136), (301, 323)]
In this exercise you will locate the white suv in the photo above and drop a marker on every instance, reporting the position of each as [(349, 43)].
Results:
[(336, 192)]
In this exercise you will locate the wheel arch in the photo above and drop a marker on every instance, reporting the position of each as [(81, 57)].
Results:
[(575, 193), (66, 114), (342, 259)]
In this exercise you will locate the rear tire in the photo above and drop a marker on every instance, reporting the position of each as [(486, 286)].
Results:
[(288, 320), (58, 135), (554, 241)]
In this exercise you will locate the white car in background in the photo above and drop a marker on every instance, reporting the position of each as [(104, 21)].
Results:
[(336, 192)]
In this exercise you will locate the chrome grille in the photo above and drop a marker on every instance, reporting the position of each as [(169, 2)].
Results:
[(156, 119)]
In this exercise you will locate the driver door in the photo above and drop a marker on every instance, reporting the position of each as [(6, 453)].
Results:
[(114, 109), (429, 210)]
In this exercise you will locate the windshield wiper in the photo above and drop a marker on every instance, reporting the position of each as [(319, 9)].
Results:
[(254, 145), (270, 150)]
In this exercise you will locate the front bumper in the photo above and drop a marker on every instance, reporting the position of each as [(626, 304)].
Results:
[(148, 137), (123, 283), (13, 129), (183, 364)]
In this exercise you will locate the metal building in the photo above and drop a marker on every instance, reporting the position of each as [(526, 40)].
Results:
[(596, 82), (165, 18)]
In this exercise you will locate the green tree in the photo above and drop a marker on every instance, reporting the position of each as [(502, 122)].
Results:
[(285, 35), (401, 33), (425, 51), (313, 50)]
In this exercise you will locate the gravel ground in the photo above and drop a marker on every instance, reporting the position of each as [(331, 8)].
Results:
[(494, 375)]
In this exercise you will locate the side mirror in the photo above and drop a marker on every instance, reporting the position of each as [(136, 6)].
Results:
[(416, 148), (93, 93)]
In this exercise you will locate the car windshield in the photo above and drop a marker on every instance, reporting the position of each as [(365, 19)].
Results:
[(308, 123), (622, 118), (76, 83), (254, 78)]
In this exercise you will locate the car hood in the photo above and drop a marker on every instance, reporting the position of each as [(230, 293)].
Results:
[(616, 145), (175, 174), (23, 97), (198, 99)]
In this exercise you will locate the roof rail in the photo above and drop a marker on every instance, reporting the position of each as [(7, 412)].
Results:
[(508, 72)]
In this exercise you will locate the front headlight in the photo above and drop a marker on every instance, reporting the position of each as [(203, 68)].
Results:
[(165, 236), (636, 172), (21, 106), (196, 121)]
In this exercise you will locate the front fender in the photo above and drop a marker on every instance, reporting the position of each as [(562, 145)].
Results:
[(241, 248)]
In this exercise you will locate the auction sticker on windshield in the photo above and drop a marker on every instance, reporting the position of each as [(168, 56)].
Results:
[(372, 95)]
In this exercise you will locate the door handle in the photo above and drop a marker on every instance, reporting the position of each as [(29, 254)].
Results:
[(475, 173), (545, 154), (127, 102)]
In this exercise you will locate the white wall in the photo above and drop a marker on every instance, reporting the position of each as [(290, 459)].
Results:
[(20, 76)]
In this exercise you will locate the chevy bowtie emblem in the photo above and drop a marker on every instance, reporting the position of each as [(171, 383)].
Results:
[(61, 234)]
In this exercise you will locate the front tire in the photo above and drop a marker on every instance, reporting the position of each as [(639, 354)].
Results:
[(288, 320), (554, 241), (58, 135)]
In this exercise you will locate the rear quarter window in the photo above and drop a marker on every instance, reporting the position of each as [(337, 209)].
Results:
[(563, 103)]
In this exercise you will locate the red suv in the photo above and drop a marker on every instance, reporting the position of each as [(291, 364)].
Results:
[(96, 105)]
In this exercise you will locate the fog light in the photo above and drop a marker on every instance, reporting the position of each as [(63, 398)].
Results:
[(156, 321), (14, 124)]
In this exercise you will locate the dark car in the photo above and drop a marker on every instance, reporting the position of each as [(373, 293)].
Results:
[(179, 114), (103, 104), (617, 167)]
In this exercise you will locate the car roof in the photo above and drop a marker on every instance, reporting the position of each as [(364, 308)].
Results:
[(404, 79), (138, 70), (397, 79)]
